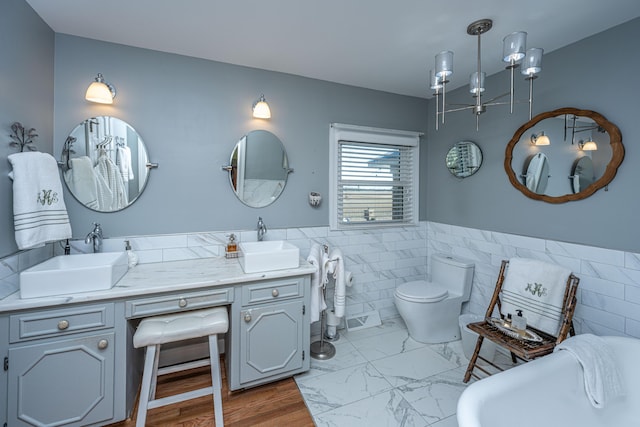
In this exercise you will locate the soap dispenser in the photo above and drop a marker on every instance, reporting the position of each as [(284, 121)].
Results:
[(232, 247), (133, 257), (519, 322)]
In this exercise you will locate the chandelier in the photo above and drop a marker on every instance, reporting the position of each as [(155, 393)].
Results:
[(514, 53)]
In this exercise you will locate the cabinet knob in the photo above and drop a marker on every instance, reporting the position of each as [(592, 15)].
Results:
[(102, 344), (275, 293), (63, 324), (247, 317), (182, 303)]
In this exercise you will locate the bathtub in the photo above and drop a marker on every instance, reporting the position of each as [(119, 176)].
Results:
[(550, 392)]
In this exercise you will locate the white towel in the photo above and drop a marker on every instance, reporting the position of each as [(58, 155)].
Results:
[(537, 288), (317, 303), (337, 269), (82, 181), (39, 212), (602, 380)]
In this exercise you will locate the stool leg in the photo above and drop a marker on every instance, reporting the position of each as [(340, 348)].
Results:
[(154, 376), (147, 374), (216, 383)]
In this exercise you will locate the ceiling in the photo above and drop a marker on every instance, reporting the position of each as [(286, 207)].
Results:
[(377, 44)]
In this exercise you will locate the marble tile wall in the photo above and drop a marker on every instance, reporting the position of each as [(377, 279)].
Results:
[(609, 290), (608, 295)]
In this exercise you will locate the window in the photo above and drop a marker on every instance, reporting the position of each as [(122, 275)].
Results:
[(374, 177)]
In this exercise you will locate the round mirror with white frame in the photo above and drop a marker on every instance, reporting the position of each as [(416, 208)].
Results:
[(564, 136), (258, 168), (105, 164)]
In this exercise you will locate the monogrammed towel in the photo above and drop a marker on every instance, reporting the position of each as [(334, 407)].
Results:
[(39, 212), (537, 288)]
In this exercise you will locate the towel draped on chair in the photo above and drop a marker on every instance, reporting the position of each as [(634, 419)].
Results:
[(537, 288)]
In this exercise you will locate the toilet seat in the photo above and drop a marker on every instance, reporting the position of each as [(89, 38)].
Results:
[(420, 291)]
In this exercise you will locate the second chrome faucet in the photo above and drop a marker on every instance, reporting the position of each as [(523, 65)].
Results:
[(262, 229)]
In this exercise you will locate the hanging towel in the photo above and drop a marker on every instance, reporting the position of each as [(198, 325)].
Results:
[(537, 288), (317, 303), (602, 380), (123, 160), (337, 268), (113, 178), (82, 181), (39, 212)]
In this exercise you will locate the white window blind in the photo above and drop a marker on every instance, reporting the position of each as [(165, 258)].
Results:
[(375, 178)]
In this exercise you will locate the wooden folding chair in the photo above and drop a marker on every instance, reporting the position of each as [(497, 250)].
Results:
[(519, 348)]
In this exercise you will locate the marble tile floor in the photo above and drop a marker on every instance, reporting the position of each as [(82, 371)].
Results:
[(381, 377)]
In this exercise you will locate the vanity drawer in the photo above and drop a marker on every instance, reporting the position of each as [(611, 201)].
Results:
[(174, 303), (261, 292), (47, 323)]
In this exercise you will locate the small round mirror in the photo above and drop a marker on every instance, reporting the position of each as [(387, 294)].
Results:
[(464, 159), (258, 168), (105, 164)]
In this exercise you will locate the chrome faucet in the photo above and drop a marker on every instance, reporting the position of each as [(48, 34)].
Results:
[(95, 237), (262, 229)]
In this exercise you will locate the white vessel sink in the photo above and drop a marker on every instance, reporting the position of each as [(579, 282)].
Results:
[(268, 255), (69, 274)]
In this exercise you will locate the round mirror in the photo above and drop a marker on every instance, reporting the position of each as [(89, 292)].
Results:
[(564, 136), (105, 164), (258, 168), (464, 159)]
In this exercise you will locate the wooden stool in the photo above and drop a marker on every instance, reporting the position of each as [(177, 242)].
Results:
[(155, 331)]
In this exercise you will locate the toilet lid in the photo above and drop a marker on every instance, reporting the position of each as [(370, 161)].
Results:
[(420, 291)]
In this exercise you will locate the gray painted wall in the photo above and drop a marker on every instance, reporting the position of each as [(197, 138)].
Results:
[(191, 112), (26, 94), (598, 73)]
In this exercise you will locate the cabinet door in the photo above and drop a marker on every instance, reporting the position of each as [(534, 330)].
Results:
[(271, 340), (66, 382)]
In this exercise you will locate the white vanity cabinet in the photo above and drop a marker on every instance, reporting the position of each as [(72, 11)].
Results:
[(270, 332), (61, 366)]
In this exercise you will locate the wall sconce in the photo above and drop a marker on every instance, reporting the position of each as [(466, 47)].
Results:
[(101, 92), (261, 109), (540, 139), (589, 145)]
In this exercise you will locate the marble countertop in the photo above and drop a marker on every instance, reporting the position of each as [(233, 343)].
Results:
[(148, 279)]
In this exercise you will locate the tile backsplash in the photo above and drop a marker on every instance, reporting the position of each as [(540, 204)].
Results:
[(380, 260)]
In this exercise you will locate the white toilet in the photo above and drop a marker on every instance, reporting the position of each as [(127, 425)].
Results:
[(431, 309)]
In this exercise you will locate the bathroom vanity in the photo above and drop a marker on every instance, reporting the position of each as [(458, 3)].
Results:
[(85, 339)]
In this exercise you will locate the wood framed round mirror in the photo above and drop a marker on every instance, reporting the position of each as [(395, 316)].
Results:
[(567, 131)]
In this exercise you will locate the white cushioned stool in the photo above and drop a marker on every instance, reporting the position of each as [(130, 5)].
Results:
[(152, 332)]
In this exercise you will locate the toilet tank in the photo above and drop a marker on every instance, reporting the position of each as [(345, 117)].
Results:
[(454, 273)]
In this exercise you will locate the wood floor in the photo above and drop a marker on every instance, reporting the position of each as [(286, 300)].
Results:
[(275, 404)]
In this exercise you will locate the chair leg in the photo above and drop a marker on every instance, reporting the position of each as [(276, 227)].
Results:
[(474, 359), (216, 382), (145, 392)]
